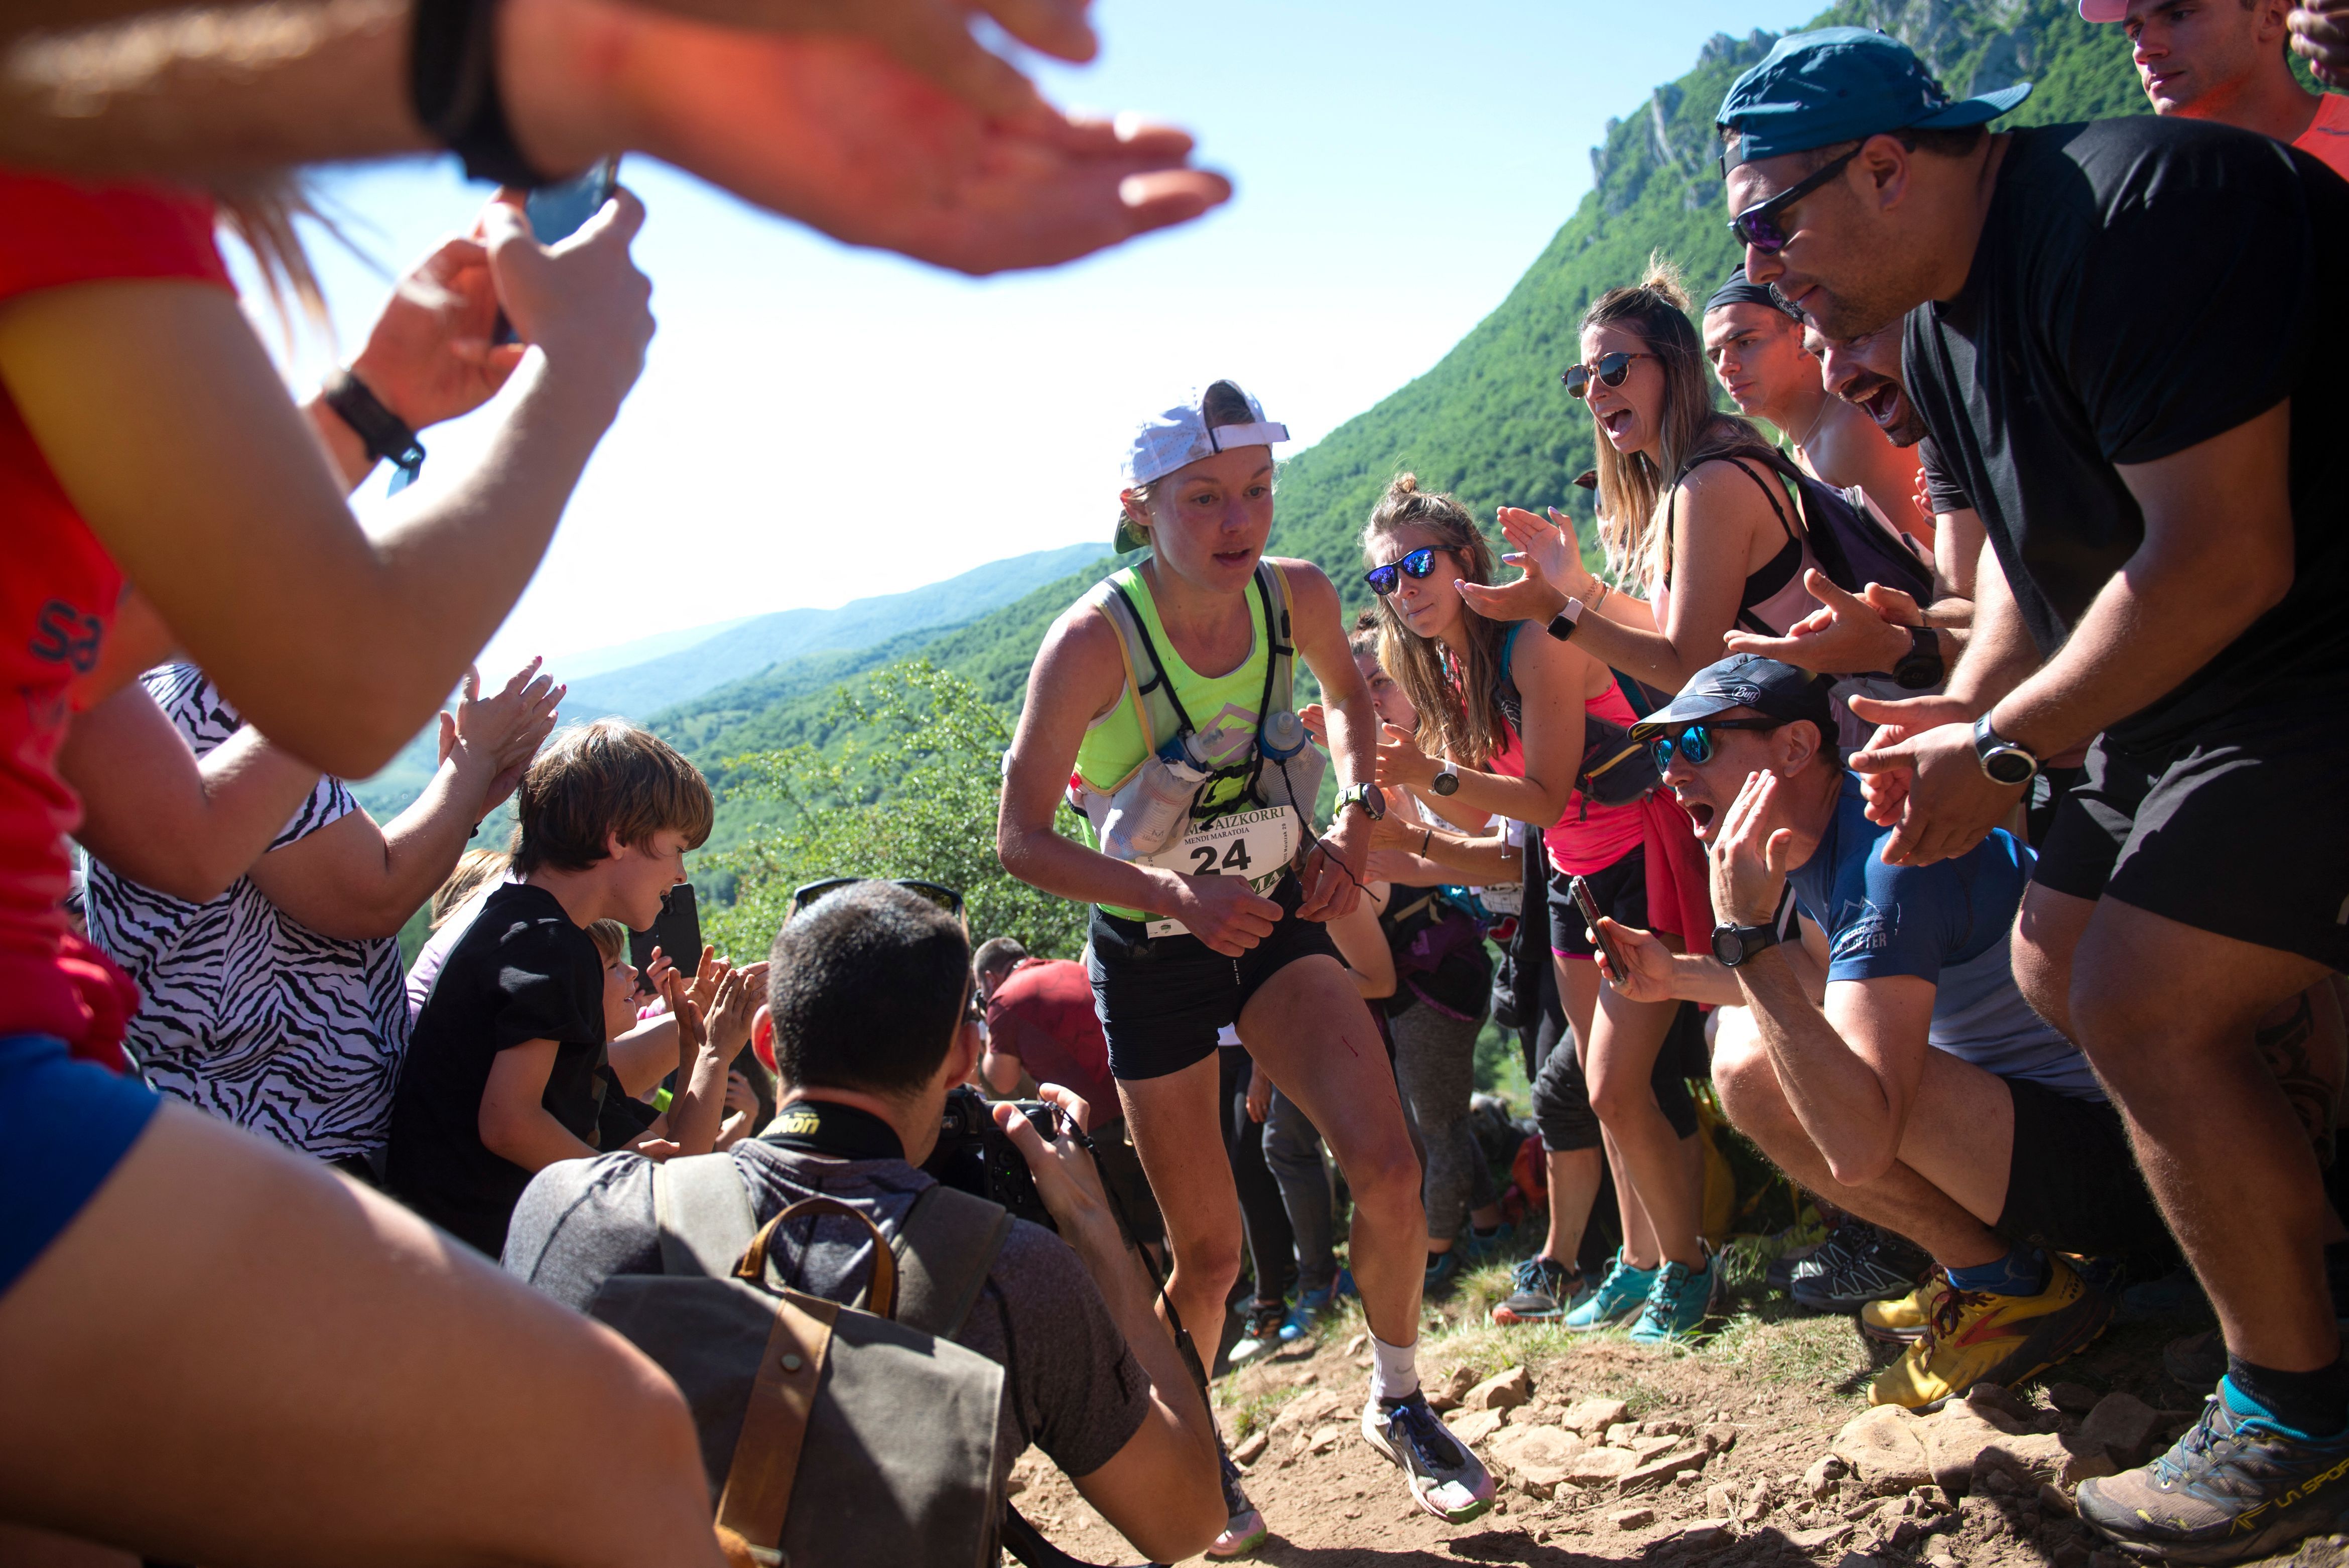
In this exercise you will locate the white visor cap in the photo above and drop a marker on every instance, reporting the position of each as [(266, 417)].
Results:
[(2103, 10), (1181, 436)]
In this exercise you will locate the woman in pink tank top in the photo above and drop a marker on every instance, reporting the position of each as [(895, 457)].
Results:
[(1502, 725)]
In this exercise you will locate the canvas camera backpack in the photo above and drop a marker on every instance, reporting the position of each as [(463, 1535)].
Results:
[(831, 1433)]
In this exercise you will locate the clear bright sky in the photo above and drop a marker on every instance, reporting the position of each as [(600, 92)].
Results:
[(816, 424)]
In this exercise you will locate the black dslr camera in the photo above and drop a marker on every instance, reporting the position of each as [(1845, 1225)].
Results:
[(977, 1156)]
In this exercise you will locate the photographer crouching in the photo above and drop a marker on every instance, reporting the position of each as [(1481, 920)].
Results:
[(868, 1018)]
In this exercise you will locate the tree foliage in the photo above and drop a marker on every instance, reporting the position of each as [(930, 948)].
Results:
[(907, 789)]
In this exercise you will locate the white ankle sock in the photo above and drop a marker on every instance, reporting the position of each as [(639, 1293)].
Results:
[(1395, 1369)]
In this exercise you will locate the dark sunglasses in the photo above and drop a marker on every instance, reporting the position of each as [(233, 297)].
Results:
[(1695, 741), (1758, 225), (1385, 580), (945, 898), (1612, 368)]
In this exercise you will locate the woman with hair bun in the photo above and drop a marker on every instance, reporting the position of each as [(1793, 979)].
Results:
[(1503, 720)]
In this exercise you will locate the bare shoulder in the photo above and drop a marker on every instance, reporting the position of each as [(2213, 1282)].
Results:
[(1314, 596), (1081, 664)]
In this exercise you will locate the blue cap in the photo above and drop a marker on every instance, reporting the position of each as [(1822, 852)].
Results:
[(1745, 680), (1844, 84)]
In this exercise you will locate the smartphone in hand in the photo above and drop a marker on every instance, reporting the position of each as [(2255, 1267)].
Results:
[(556, 211), (1579, 890)]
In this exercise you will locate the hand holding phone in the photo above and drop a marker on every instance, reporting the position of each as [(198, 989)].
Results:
[(557, 211)]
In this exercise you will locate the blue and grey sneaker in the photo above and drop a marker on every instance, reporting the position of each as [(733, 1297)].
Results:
[(1859, 1264), (1621, 1292), (1680, 1299), (1546, 1291), (2234, 1486), (1446, 1479), (1443, 1275), (1313, 1305)]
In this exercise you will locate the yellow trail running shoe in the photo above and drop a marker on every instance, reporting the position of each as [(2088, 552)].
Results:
[(1902, 1320), (1976, 1338)]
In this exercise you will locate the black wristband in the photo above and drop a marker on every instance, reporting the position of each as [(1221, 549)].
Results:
[(452, 80), (386, 435)]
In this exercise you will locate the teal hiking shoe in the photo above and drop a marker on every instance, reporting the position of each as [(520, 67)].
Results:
[(1619, 1295), (2234, 1486), (1680, 1299)]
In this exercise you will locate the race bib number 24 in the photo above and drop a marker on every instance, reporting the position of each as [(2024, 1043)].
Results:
[(1256, 845)]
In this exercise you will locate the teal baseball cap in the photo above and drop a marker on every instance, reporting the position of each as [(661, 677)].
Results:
[(1843, 84)]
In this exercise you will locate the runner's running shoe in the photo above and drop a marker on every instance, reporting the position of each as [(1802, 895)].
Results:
[(1858, 1264), (1446, 1479), (2233, 1488), (1546, 1291), (1260, 1332), (1976, 1338), (1244, 1531), (1680, 1299), (1902, 1320), (1621, 1292)]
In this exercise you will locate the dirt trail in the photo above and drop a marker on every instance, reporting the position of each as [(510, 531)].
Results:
[(1745, 1419)]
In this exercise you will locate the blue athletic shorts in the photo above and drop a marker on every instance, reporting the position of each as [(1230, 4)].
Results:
[(64, 1125)]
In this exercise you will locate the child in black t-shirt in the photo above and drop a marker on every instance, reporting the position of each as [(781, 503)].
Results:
[(514, 1062)]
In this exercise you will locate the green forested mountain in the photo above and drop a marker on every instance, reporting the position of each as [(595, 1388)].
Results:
[(1490, 420)]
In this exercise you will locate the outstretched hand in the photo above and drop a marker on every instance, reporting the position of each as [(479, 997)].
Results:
[(930, 36), (1548, 560), (499, 736), (1402, 765), (838, 133), (1847, 634)]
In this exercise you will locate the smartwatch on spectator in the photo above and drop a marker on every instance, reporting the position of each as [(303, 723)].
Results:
[(1445, 780), (1922, 666), (1733, 944), (2003, 761), (1562, 624)]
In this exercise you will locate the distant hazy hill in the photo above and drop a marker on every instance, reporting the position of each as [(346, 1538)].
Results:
[(1490, 421), (746, 647), (676, 667)]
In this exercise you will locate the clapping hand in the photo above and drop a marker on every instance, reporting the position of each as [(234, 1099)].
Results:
[(2320, 35), (496, 738), (1847, 634), (1923, 779), (1401, 764)]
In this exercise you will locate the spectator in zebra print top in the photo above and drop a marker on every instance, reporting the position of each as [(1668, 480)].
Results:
[(279, 1004)]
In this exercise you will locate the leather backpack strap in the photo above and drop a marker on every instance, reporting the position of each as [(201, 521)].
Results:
[(704, 1214), (944, 1249), (757, 1495)]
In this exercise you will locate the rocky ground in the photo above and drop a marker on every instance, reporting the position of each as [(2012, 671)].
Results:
[(1756, 1448)]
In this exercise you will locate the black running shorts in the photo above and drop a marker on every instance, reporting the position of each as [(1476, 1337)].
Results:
[(1163, 1000), (2237, 829), (2072, 1183), (1620, 892)]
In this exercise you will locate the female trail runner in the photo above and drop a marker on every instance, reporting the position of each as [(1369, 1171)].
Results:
[(1185, 941)]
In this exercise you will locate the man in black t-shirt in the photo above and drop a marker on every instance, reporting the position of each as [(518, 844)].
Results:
[(2112, 334)]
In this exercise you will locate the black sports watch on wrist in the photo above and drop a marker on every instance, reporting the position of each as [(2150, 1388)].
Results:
[(1562, 624), (1922, 666), (2003, 761), (1369, 797), (1733, 944), (1445, 782)]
